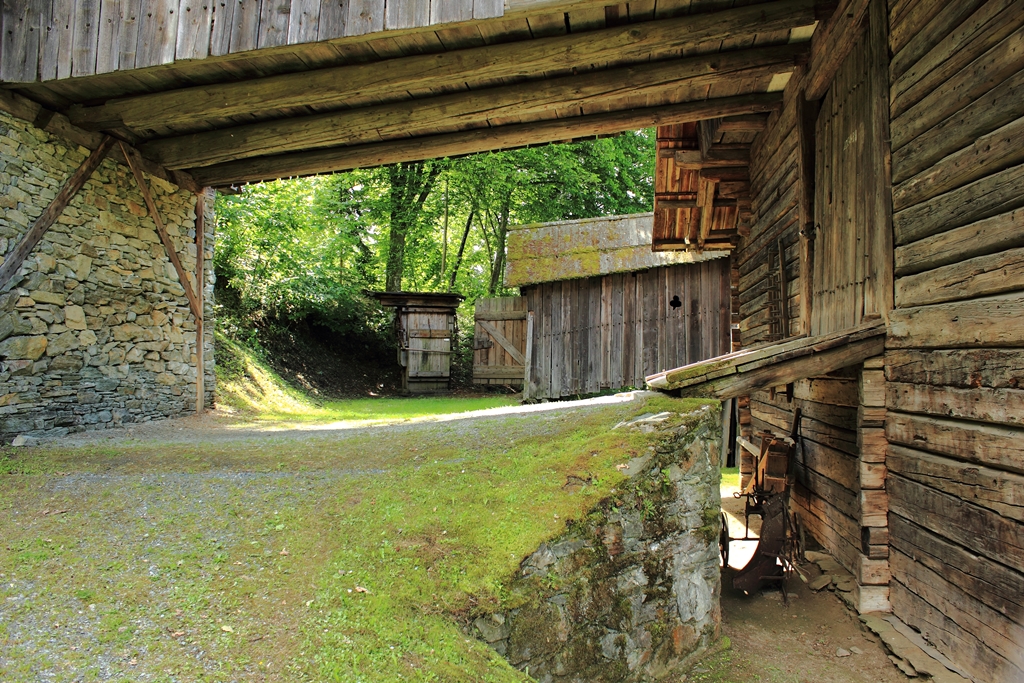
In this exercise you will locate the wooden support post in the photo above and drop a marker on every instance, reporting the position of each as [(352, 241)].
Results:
[(52, 212), (200, 318), (529, 355), (807, 113), (193, 303)]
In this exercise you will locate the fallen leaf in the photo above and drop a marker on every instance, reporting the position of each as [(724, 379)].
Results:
[(227, 629), (237, 563), (54, 512), (284, 551), (177, 634), (360, 589)]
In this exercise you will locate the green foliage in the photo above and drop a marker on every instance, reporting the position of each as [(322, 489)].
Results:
[(307, 248)]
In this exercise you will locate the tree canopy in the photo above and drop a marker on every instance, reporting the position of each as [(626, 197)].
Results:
[(308, 247)]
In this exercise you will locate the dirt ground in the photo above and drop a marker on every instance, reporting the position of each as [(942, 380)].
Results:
[(775, 642), (768, 640)]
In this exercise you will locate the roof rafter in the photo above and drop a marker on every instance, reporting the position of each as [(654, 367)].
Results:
[(332, 87)]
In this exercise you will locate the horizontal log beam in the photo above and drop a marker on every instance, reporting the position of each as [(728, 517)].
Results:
[(59, 125), (336, 86), (410, 118), (473, 141)]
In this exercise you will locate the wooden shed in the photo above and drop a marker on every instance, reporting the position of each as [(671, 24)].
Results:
[(424, 330), (607, 310)]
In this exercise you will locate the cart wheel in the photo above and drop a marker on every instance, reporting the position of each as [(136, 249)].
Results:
[(723, 541)]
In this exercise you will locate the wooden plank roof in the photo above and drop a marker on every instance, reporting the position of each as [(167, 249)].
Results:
[(761, 367), (237, 92), (566, 250)]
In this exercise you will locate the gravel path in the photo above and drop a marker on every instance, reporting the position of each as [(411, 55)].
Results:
[(174, 551)]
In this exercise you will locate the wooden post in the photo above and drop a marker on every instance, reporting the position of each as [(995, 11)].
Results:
[(529, 355), (200, 281), (193, 303), (807, 115), (52, 212)]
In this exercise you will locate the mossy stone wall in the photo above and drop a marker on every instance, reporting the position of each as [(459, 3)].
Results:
[(631, 592), (95, 330)]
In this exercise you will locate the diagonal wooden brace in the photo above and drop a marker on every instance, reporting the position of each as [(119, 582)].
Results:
[(52, 212), (193, 301)]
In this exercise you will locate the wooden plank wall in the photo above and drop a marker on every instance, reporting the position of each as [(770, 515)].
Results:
[(852, 250), (85, 37), (610, 332), (774, 185), (955, 357)]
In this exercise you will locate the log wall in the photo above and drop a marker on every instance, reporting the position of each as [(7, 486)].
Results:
[(610, 332), (955, 357)]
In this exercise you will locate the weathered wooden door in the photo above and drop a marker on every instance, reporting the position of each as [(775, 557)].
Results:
[(500, 341), (428, 349)]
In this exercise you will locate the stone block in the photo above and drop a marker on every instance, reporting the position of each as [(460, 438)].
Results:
[(64, 342), (16, 348)]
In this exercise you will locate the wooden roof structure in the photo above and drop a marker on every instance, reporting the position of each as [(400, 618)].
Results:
[(232, 92), (589, 247)]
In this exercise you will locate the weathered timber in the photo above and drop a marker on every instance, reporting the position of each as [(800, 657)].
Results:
[(992, 321), (971, 278), (999, 446), (997, 490), (994, 109), (963, 368), (983, 198), (730, 376), (12, 263), (421, 116), (953, 83), (838, 532), (200, 281), (998, 233), (832, 44), (58, 124), (336, 86), (1004, 406), (872, 444), (999, 636), (948, 636), (873, 506), (840, 392), (991, 152), (154, 214), (472, 141), (994, 584)]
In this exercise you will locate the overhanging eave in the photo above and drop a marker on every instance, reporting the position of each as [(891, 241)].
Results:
[(772, 365)]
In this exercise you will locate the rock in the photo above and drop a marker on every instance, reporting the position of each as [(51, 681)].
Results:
[(823, 581), (856, 650), (74, 317), (65, 341), (842, 652), (40, 296), (23, 440), (846, 585), (492, 628), (30, 348)]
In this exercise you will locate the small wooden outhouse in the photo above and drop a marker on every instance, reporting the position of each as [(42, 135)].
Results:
[(425, 330)]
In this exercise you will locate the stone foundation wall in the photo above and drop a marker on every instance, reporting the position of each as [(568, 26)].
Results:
[(95, 330), (631, 592)]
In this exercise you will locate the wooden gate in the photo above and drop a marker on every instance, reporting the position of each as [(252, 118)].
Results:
[(500, 343)]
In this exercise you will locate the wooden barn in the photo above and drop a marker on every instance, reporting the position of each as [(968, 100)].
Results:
[(607, 310), (881, 294), (859, 160)]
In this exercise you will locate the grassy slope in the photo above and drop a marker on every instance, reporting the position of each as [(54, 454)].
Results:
[(246, 560)]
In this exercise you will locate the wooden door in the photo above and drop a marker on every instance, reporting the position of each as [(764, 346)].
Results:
[(428, 349), (500, 341)]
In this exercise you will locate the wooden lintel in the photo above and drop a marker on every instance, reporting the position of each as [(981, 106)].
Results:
[(338, 85), (58, 124), (832, 43), (609, 89), (750, 123), (53, 211), (715, 157), (479, 140), (172, 254)]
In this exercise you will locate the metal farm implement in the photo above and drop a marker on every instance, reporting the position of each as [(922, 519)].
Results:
[(767, 496)]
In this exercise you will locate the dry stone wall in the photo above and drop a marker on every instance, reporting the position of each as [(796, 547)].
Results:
[(95, 330), (631, 593)]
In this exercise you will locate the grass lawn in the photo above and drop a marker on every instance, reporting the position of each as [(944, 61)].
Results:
[(332, 555)]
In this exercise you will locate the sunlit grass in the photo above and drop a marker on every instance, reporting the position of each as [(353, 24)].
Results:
[(246, 384), (731, 477)]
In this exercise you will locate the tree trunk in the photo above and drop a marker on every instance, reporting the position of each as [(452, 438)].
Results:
[(462, 248), (411, 183), (498, 265)]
